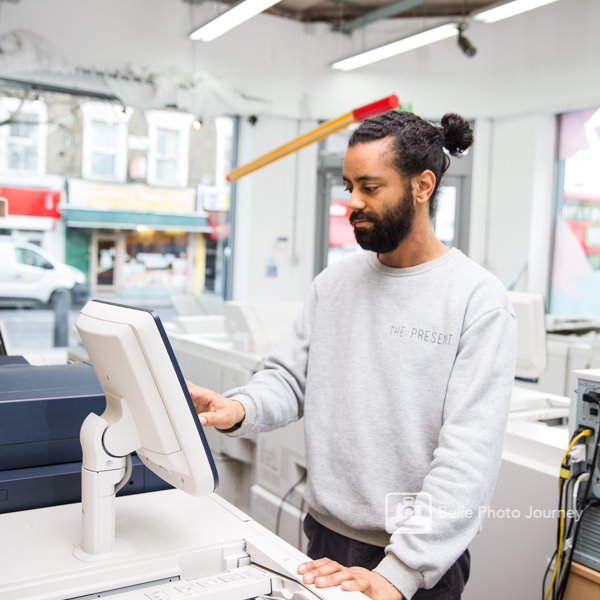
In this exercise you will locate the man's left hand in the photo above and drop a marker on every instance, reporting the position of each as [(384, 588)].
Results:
[(325, 572)]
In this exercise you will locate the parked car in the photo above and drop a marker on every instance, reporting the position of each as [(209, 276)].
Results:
[(29, 276)]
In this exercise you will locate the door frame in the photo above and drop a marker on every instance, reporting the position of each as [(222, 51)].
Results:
[(119, 240)]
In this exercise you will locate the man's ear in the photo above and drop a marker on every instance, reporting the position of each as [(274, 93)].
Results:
[(423, 186)]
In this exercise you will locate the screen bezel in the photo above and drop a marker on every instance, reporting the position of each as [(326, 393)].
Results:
[(192, 410)]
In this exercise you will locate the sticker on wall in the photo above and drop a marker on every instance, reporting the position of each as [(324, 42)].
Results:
[(271, 268)]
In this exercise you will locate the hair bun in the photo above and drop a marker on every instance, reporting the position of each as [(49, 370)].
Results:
[(458, 135)]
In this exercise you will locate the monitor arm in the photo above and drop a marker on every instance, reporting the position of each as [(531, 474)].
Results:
[(106, 443)]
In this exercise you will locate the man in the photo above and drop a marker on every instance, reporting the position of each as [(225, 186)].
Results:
[(402, 364)]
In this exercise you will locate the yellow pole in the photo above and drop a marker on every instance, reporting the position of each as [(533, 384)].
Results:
[(323, 130)]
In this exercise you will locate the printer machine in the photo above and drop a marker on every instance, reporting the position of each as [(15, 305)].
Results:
[(160, 545)]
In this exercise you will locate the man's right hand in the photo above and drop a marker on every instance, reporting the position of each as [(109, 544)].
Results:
[(214, 409)]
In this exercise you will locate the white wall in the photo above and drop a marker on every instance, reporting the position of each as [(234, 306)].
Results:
[(513, 145), (275, 217), (527, 69), (513, 198)]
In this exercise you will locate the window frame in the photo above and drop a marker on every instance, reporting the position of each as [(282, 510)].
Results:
[(180, 122), (13, 107), (571, 221), (110, 114)]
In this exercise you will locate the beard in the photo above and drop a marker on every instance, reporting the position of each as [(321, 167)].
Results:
[(389, 228)]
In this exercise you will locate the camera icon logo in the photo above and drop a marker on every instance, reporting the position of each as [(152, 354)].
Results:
[(403, 514)]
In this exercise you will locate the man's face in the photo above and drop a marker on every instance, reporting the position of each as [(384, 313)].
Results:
[(381, 198)]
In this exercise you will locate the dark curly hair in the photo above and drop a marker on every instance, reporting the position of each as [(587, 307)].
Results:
[(419, 145)]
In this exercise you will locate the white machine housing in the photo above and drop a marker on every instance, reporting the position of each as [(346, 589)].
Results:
[(531, 333)]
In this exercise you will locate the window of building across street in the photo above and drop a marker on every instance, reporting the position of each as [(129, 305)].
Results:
[(23, 138), (169, 142), (575, 279), (104, 152)]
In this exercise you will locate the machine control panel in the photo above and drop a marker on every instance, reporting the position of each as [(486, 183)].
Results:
[(588, 416), (236, 584)]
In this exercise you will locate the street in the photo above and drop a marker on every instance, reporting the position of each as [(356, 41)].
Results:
[(31, 332)]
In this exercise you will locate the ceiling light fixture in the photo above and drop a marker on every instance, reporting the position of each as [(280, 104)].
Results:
[(232, 18), (197, 124), (429, 36), (505, 10)]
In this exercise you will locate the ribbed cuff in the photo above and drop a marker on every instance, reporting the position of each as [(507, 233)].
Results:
[(406, 580), (249, 421)]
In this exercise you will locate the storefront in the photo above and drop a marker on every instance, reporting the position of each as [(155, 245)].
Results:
[(136, 240), (34, 216)]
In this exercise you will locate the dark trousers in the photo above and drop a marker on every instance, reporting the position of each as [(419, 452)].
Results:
[(352, 553)]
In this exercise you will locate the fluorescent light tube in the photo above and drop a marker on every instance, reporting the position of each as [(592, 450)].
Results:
[(232, 18), (404, 45), (508, 9)]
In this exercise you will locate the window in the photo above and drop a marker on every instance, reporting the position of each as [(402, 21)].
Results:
[(25, 256), (23, 138), (169, 143), (104, 153), (575, 285), (105, 142), (335, 235)]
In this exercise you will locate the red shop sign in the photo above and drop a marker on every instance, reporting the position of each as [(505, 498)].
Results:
[(32, 202)]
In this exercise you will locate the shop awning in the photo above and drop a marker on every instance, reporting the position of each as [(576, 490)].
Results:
[(118, 219)]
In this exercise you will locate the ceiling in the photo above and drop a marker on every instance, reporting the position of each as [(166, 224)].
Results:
[(348, 15)]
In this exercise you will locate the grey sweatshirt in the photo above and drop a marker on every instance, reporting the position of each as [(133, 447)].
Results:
[(404, 378)]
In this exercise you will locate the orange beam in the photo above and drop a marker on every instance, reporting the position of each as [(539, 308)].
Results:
[(358, 114)]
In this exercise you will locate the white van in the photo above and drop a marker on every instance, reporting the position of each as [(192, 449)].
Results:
[(30, 277)]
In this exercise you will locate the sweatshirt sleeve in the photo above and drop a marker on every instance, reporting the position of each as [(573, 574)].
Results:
[(274, 396), (460, 481)]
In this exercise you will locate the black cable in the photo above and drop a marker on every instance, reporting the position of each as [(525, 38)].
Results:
[(561, 576), (283, 500), (555, 555), (563, 586), (558, 534), (546, 572), (561, 485), (560, 495), (567, 553), (588, 503), (300, 522)]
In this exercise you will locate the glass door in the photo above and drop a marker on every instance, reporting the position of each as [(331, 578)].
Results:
[(451, 222), (335, 236), (104, 263)]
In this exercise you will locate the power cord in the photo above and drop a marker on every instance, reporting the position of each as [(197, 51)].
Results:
[(585, 504), (300, 522), (565, 472), (284, 499)]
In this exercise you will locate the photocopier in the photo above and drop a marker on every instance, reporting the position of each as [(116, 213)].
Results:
[(185, 542)]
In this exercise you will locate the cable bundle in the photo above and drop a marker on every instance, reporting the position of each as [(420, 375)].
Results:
[(572, 507)]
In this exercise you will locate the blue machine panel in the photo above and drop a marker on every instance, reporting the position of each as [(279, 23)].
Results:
[(41, 412), (42, 409)]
